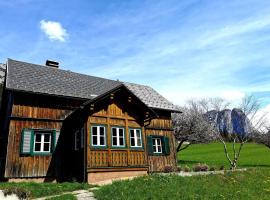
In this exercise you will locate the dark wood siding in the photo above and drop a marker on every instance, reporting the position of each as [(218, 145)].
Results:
[(34, 111)]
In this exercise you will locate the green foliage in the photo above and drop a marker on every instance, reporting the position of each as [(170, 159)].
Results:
[(45, 189), (200, 167), (252, 184), (63, 197), (252, 155)]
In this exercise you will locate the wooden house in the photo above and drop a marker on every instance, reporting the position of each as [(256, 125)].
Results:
[(60, 125)]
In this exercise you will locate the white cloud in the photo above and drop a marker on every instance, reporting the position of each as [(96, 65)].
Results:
[(232, 95), (53, 30)]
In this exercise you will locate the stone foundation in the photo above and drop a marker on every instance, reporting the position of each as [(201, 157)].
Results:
[(107, 177)]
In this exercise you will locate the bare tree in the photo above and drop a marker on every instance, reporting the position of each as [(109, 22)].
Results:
[(253, 124), (215, 103), (262, 138), (191, 126)]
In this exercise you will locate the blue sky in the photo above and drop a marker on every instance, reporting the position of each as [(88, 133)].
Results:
[(183, 49)]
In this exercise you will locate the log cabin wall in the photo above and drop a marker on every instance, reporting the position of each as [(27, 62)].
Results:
[(162, 127), (34, 111), (116, 111)]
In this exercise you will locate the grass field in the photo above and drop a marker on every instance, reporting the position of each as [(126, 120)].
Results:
[(252, 184), (252, 155)]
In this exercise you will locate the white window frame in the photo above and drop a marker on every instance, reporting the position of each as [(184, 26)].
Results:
[(135, 138), (118, 137), (42, 142), (98, 136), (157, 142)]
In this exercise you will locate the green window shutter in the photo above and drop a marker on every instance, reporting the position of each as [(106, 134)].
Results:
[(27, 138), (56, 134), (166, 145), (150, 145)]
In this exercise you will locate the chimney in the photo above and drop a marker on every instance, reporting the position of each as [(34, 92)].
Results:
[(52, 63)]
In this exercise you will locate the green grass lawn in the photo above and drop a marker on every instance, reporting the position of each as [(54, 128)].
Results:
[(46, 189), (252, 155), (252, 184)]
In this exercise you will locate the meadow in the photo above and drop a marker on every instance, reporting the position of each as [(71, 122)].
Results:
[(251, 184)]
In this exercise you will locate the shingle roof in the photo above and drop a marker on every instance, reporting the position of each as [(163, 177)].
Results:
[(43, 79), (150, 97), (29, 77)]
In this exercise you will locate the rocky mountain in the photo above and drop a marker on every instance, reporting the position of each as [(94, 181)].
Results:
[(230, 121)]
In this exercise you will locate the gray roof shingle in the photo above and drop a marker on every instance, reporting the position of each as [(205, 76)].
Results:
[(29, 77), (150, 97)]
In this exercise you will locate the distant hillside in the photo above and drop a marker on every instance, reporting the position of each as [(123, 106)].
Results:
[(230, 121)]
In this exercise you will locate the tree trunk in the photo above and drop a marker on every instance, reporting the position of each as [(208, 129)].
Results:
[(178, 149)]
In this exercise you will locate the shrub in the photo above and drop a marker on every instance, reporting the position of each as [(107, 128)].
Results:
[(186, 169), (200, 167), (197, 167), (168, 169), (204, 167), (19, 192), (213, 168), (178, 169), (222, 167)]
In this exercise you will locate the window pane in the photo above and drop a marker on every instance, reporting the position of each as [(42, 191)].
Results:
[(46, 147), (121, 141), (132, 142), (94, 137), (38, 137), (114, 141), (131, 133), (121, 132), (102, 141), (139, 142), (101, 131), (138, 133), (159, 149), (47, 137), (37, 147), (94, 130), (114, 131)]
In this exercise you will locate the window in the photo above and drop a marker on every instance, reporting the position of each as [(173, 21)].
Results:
[(42, 142), (135, 138), (98, 137), (38, 141), (157, 147), (118, 138)]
